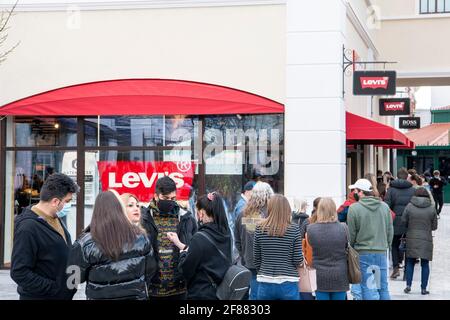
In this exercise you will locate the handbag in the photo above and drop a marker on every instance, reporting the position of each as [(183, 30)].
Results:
[(353, 266), (307, 250), (308, 282)]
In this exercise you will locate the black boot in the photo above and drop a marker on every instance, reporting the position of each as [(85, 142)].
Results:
[(407, 290), (424, 291)]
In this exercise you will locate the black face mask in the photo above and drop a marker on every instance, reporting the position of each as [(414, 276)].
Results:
[(168, 207), (356, 196)]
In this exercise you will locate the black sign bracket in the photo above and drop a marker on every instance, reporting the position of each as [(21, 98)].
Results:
[(347, 62)]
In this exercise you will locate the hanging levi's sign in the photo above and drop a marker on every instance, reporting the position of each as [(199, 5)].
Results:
[(409, 123), (374, 83), (139, 177), (394, 107)]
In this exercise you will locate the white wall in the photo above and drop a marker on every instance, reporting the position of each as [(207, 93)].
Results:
[(242, 47), (440, 96)]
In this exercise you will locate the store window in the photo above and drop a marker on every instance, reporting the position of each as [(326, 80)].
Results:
[(201, 153), (44, 132), (26, 173), (240, 148)]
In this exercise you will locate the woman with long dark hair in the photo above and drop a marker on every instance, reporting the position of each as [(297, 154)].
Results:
[(205, 261), (114, 256)]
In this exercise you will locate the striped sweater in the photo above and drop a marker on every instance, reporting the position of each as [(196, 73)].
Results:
[(278, 257)]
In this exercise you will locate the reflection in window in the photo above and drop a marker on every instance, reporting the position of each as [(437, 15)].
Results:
[(124, 131), (40, 131)]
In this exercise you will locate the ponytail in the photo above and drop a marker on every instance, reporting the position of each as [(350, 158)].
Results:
[(212, 203)]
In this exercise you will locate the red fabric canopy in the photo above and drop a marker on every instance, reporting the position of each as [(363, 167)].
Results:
[(364, 131), (141, 97)]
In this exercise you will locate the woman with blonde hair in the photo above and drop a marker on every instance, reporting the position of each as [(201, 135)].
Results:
[(254, 212), (373, 180), (278, 253), (132, 208), (328, 239), (299, 214)]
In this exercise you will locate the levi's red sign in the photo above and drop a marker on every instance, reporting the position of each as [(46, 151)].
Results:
[(395, 106), (139, 177), (374, 82)]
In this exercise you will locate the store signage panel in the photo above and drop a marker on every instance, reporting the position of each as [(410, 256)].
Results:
[(139, 177), (395, 107), (374, 83), (409, 123)]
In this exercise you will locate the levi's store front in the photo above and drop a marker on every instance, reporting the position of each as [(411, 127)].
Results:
[(124, 134)]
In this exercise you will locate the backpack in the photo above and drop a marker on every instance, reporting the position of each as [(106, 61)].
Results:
[(236, 281)]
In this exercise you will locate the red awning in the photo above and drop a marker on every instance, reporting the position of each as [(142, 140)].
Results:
[(365, 131), (410, 145), (141, 97)]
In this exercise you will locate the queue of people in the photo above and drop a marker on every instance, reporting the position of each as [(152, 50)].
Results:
[(165, 252)]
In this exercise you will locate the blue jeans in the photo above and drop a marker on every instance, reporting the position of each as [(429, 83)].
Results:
[(356, 291), (374, 283), (410, 272), (253, 286), (274, 291), (320, 295)]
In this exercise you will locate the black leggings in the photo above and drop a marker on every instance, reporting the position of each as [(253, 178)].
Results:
[(438, 201), (397, 256)]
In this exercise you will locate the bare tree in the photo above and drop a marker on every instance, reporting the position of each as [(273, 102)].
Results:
[(5, 16)]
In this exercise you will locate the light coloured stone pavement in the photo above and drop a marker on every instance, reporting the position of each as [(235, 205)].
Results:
[(439, 283)]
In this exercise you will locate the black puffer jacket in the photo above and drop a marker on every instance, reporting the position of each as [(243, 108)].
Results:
[(202, 265), (397, 198), (126, 278)]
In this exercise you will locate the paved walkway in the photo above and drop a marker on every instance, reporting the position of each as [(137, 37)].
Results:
[(439, 283)]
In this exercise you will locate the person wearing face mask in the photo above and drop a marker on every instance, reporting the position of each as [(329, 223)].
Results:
[(132, 208), (42, 243), (164, 215), (207, 258)]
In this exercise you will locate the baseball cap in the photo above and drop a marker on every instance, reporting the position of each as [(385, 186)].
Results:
[(249, 185), (362, 184)]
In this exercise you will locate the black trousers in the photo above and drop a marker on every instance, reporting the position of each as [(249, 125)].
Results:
[(397, 256), (438, 201)]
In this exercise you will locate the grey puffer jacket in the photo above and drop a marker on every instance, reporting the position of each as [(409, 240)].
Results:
[(397, 198), (420, 219)]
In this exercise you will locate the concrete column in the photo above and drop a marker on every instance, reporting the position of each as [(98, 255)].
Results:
[(315, 113)]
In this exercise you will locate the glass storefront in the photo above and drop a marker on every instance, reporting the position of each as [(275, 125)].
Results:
[(129, 153)]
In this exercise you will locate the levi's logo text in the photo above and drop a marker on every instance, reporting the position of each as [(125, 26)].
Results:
[(140, 178), (394, 106), (374, 82)]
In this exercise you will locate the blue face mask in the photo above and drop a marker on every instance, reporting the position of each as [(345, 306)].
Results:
[(64, 211)]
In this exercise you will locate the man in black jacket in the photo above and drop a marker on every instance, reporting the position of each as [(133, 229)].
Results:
[(397, 198), (164, 215), (42, 242), (437, 184)]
